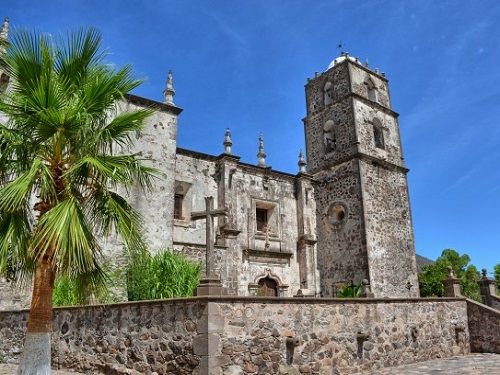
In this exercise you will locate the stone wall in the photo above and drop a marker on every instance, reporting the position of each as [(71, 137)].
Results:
[(389, 231), (194, 179), (336, 338), (236, 335), (244, 253), (484, 328), (148, 336), (156, 144), (342, 257), (495, 302), (12, 297)]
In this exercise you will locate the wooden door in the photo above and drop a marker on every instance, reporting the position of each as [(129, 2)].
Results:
[(268, 287)]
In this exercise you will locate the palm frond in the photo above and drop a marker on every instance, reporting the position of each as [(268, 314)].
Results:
[(64, 233), (120, 129), (14, 196), (15, 236), (115, 169)]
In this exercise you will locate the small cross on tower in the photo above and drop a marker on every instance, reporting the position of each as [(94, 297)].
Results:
[(210, 284)]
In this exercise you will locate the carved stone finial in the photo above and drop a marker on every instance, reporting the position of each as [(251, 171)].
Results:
[(302, 163), (366, 63), (484, 272), (451, 284), (261, 155), (451, 273), (169, 91), (4, 31), (227, 142)]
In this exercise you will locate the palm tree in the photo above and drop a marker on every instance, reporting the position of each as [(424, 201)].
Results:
[(60, 170)]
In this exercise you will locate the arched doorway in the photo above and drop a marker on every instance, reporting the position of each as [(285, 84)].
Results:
[(268, 287)]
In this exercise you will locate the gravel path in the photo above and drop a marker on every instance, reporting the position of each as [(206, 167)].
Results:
[(12, 370), (472, 364)]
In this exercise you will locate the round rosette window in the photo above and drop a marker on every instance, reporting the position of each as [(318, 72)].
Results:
[(337, 214)]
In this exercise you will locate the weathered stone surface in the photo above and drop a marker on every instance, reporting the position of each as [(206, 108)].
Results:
[(288, 336), (241, 188), (327, 335), (144, 337), (484, 328), (13, 297), (364, 227)]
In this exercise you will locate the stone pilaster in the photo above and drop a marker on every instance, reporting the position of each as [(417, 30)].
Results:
[(306, 244), (228, 227), (487, 288), (452, 285)]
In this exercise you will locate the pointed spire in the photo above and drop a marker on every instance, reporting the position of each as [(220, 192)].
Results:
[(261, 156), (4, 31), (169, 91), (302, 163), (227, 142)]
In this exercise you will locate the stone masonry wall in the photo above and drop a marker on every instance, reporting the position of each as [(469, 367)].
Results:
[(389, 231), (157, 146), (484, 328), (238, 335), (148, 336), (339, 111), (341, 244), (242, 256), (197, 178), (359, 75), (11, 297), (495, 302), (365, 115), (336, 337)]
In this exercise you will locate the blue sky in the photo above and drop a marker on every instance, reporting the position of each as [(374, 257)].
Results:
[(243, 65)]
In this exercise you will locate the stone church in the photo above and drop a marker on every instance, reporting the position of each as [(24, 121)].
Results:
[(342, 218)]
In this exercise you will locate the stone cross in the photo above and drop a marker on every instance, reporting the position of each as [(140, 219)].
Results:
[(209, 215)]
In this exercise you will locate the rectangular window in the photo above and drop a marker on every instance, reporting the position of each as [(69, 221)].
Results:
[(178, 200), (378, 135), (261, 217)]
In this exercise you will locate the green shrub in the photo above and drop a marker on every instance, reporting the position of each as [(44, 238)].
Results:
[(71, 292), (165, 274), (349, 291)]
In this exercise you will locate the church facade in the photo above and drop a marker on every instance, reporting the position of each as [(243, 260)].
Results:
[(343, 218)]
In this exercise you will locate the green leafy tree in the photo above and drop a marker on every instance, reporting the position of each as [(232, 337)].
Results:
[(165, 274), (59, 170), (431, 277), (496, 271)]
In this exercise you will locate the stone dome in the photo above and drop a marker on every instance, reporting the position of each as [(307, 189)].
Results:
[(341, 58)]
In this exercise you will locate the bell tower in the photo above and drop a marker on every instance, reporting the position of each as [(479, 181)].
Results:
[(364, 227)]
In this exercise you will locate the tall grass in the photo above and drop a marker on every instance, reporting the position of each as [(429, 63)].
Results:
[(165, 274), (71, 292)]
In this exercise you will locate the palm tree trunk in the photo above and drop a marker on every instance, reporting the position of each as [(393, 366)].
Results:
[(35, 359)]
